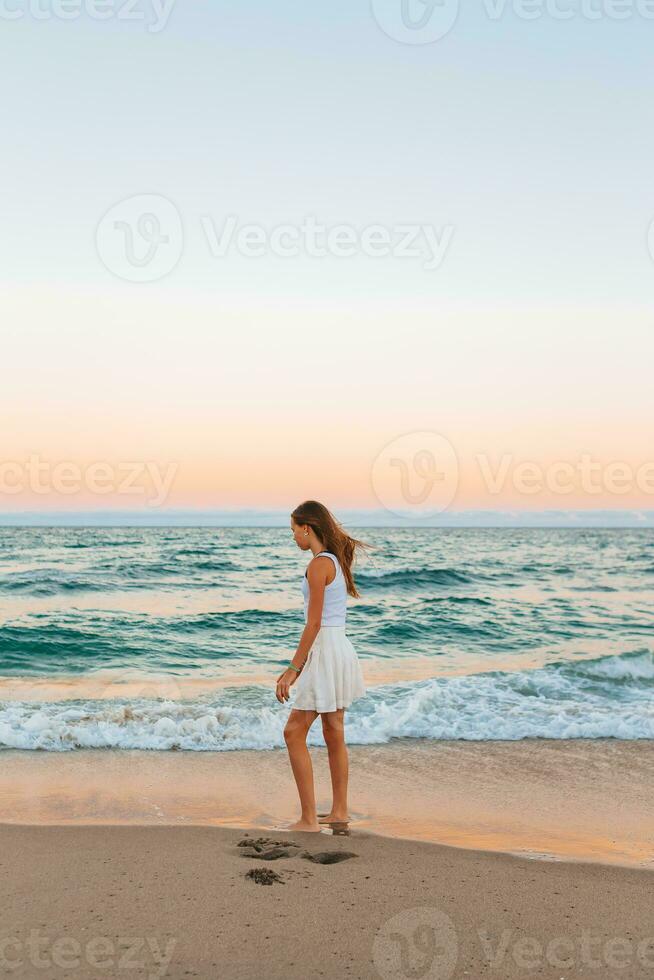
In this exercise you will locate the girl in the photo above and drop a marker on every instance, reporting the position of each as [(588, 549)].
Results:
[(325, 665)]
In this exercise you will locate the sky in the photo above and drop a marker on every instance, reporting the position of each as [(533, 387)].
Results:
[(388, 255)]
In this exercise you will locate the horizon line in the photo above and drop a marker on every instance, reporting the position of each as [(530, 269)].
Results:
[(277, 517)]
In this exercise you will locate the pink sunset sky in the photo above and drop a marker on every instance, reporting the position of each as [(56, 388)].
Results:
[(183, 403)]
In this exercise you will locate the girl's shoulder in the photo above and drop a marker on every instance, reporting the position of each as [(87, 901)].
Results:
[(328, 558), (326, 555), (329, 555)]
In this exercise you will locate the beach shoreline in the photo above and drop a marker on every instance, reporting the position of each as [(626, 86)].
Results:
[(559, 800)]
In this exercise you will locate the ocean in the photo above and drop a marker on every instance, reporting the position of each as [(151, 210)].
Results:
[(172, 638)]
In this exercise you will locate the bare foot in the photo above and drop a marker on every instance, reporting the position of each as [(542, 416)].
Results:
[(333, 818), (305, 825)]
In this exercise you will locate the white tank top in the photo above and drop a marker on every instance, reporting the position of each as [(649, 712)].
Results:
[(334, 607)]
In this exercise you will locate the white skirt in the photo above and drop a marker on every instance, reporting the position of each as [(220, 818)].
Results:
[(331, 677)]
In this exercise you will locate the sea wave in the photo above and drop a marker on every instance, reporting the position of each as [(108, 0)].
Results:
[(411, 577), (607, 697), (78, 643), (48, 583), (635, 665), (114, 576)]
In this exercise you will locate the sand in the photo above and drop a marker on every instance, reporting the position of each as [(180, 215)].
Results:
[(128, 864), (177, 902)]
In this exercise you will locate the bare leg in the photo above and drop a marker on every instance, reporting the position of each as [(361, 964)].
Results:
[(333, 729), (295, 735)]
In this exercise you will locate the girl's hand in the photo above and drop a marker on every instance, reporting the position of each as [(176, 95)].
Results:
[(284, 682)]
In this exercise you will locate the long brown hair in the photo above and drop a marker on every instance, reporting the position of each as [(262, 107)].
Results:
[(332, 535)]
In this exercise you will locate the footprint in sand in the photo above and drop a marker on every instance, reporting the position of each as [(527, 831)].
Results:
[(265, 876), (266, 849), (328, 857)]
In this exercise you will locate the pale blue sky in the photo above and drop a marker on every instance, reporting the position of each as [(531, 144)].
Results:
[(530, 140), (533, 139)]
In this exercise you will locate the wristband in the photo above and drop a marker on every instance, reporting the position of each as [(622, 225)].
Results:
[(293, 667)]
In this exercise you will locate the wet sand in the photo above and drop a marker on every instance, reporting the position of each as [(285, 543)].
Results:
[(573, 800)]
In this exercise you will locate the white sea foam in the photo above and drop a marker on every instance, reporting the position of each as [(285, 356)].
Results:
[(610, 697)]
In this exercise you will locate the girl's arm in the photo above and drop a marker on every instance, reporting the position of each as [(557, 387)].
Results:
[(317, 579)]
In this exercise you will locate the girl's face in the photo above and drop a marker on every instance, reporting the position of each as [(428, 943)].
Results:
[(301, 539)]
